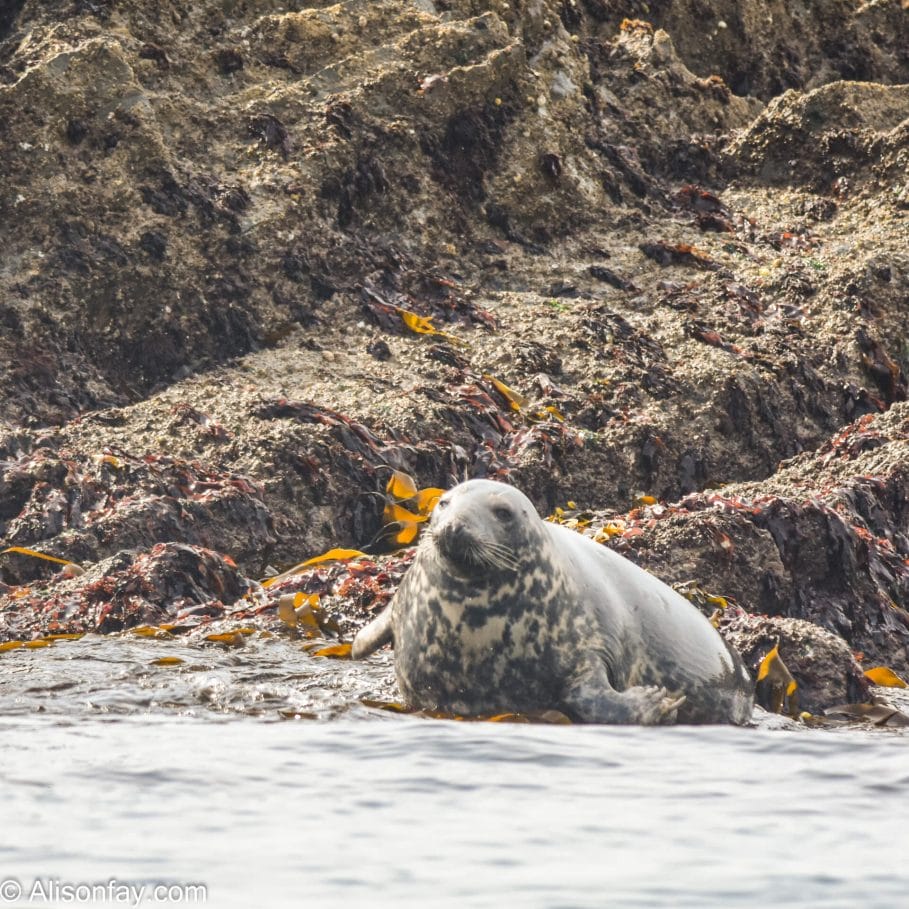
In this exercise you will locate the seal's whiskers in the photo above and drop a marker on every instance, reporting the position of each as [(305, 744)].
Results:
[(497, 555)]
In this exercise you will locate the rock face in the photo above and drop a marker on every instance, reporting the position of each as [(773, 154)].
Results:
[(681, 241), (826, 669)]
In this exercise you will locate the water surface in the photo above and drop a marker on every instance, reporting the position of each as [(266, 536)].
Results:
[(113, 768)]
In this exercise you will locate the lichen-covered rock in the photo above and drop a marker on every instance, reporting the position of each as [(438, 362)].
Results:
[(847, 125), (256, 255)]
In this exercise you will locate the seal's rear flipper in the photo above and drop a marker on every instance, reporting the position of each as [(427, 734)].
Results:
[(592, 700), (372, 636)]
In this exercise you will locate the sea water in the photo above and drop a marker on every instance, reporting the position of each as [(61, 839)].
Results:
[(257, 777)]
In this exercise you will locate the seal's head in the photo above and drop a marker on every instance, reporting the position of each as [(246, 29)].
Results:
[(480, 529)]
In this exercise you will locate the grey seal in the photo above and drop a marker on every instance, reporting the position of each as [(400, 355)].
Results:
[(504, 612)]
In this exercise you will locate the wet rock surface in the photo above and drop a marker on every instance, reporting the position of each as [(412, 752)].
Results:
[(825, 667), (173, 584), (661, 252)]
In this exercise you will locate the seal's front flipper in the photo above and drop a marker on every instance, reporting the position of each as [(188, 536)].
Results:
[(592, 700), (372, 636)]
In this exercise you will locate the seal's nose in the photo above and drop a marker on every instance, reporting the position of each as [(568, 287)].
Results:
[(452, 539)]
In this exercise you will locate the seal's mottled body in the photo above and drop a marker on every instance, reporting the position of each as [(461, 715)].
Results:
[(502, 611)]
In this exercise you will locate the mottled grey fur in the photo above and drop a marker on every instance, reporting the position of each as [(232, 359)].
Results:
[(502, 611)]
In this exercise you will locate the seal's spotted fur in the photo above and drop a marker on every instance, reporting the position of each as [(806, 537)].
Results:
[(502, 611)]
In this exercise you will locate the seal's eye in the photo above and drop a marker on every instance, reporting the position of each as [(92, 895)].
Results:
[(442, 503), (503, 513)]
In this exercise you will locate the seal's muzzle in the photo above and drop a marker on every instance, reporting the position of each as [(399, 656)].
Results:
[(455, 543)]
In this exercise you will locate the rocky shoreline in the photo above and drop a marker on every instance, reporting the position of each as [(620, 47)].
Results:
[(650, 260)]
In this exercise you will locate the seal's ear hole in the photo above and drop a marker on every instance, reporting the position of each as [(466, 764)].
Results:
[(503, 513)]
